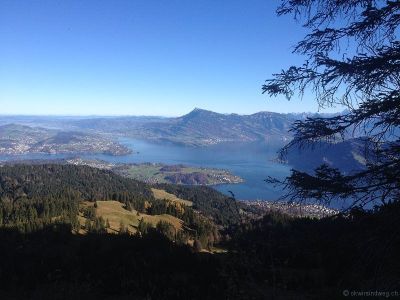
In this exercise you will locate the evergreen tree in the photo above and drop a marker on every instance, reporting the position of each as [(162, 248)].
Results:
[(197, 245), (88, 225), (128, 206), (166, 229), (89, 213), (122, 228), (99, 225), (143, 227), (352, 58)]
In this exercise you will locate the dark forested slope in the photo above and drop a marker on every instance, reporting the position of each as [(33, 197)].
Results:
[(222, 209), (32, 196), (277, 256), (53, 179)]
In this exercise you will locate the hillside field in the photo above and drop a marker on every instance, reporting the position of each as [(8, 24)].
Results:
[(162, 194), (115, 213)]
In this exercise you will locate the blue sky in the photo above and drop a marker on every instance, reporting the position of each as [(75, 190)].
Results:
[(147, 57)]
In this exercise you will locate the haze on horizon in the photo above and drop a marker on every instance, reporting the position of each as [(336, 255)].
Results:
[(148, 58), (136, 115)]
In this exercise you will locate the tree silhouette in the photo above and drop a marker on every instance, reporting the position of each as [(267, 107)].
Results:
[(352, 58), (197, 245)]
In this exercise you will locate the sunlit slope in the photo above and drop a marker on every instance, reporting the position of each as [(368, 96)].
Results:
[(162, 194), (115, 213)]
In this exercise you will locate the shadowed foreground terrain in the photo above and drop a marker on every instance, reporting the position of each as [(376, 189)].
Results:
[(272, 257), (288, 259)]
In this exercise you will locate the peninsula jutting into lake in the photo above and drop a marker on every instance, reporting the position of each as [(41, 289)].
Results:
[(16, 139), (162, 173)]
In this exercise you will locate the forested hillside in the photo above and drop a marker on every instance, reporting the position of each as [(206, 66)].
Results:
[(223, 209), (24, 180), (35, 196), (278, 257)]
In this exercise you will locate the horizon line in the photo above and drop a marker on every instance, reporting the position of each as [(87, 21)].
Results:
[(157, 116)]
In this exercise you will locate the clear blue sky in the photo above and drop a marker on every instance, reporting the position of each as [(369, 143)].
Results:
[(143, 57)]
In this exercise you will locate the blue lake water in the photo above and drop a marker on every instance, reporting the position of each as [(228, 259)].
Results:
[(252, 162)]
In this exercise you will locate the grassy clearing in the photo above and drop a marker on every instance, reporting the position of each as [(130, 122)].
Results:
[(115, 213), (147, 173), (161, 194)]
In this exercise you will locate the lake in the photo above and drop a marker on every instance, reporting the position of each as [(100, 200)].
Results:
[(251, 161)]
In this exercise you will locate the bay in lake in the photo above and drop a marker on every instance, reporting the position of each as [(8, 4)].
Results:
[(251, 161)]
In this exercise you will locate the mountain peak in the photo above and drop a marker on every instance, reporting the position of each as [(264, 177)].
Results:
[(198, 112)]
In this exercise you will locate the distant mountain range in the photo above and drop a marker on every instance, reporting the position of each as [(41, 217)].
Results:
[(198, 128)]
